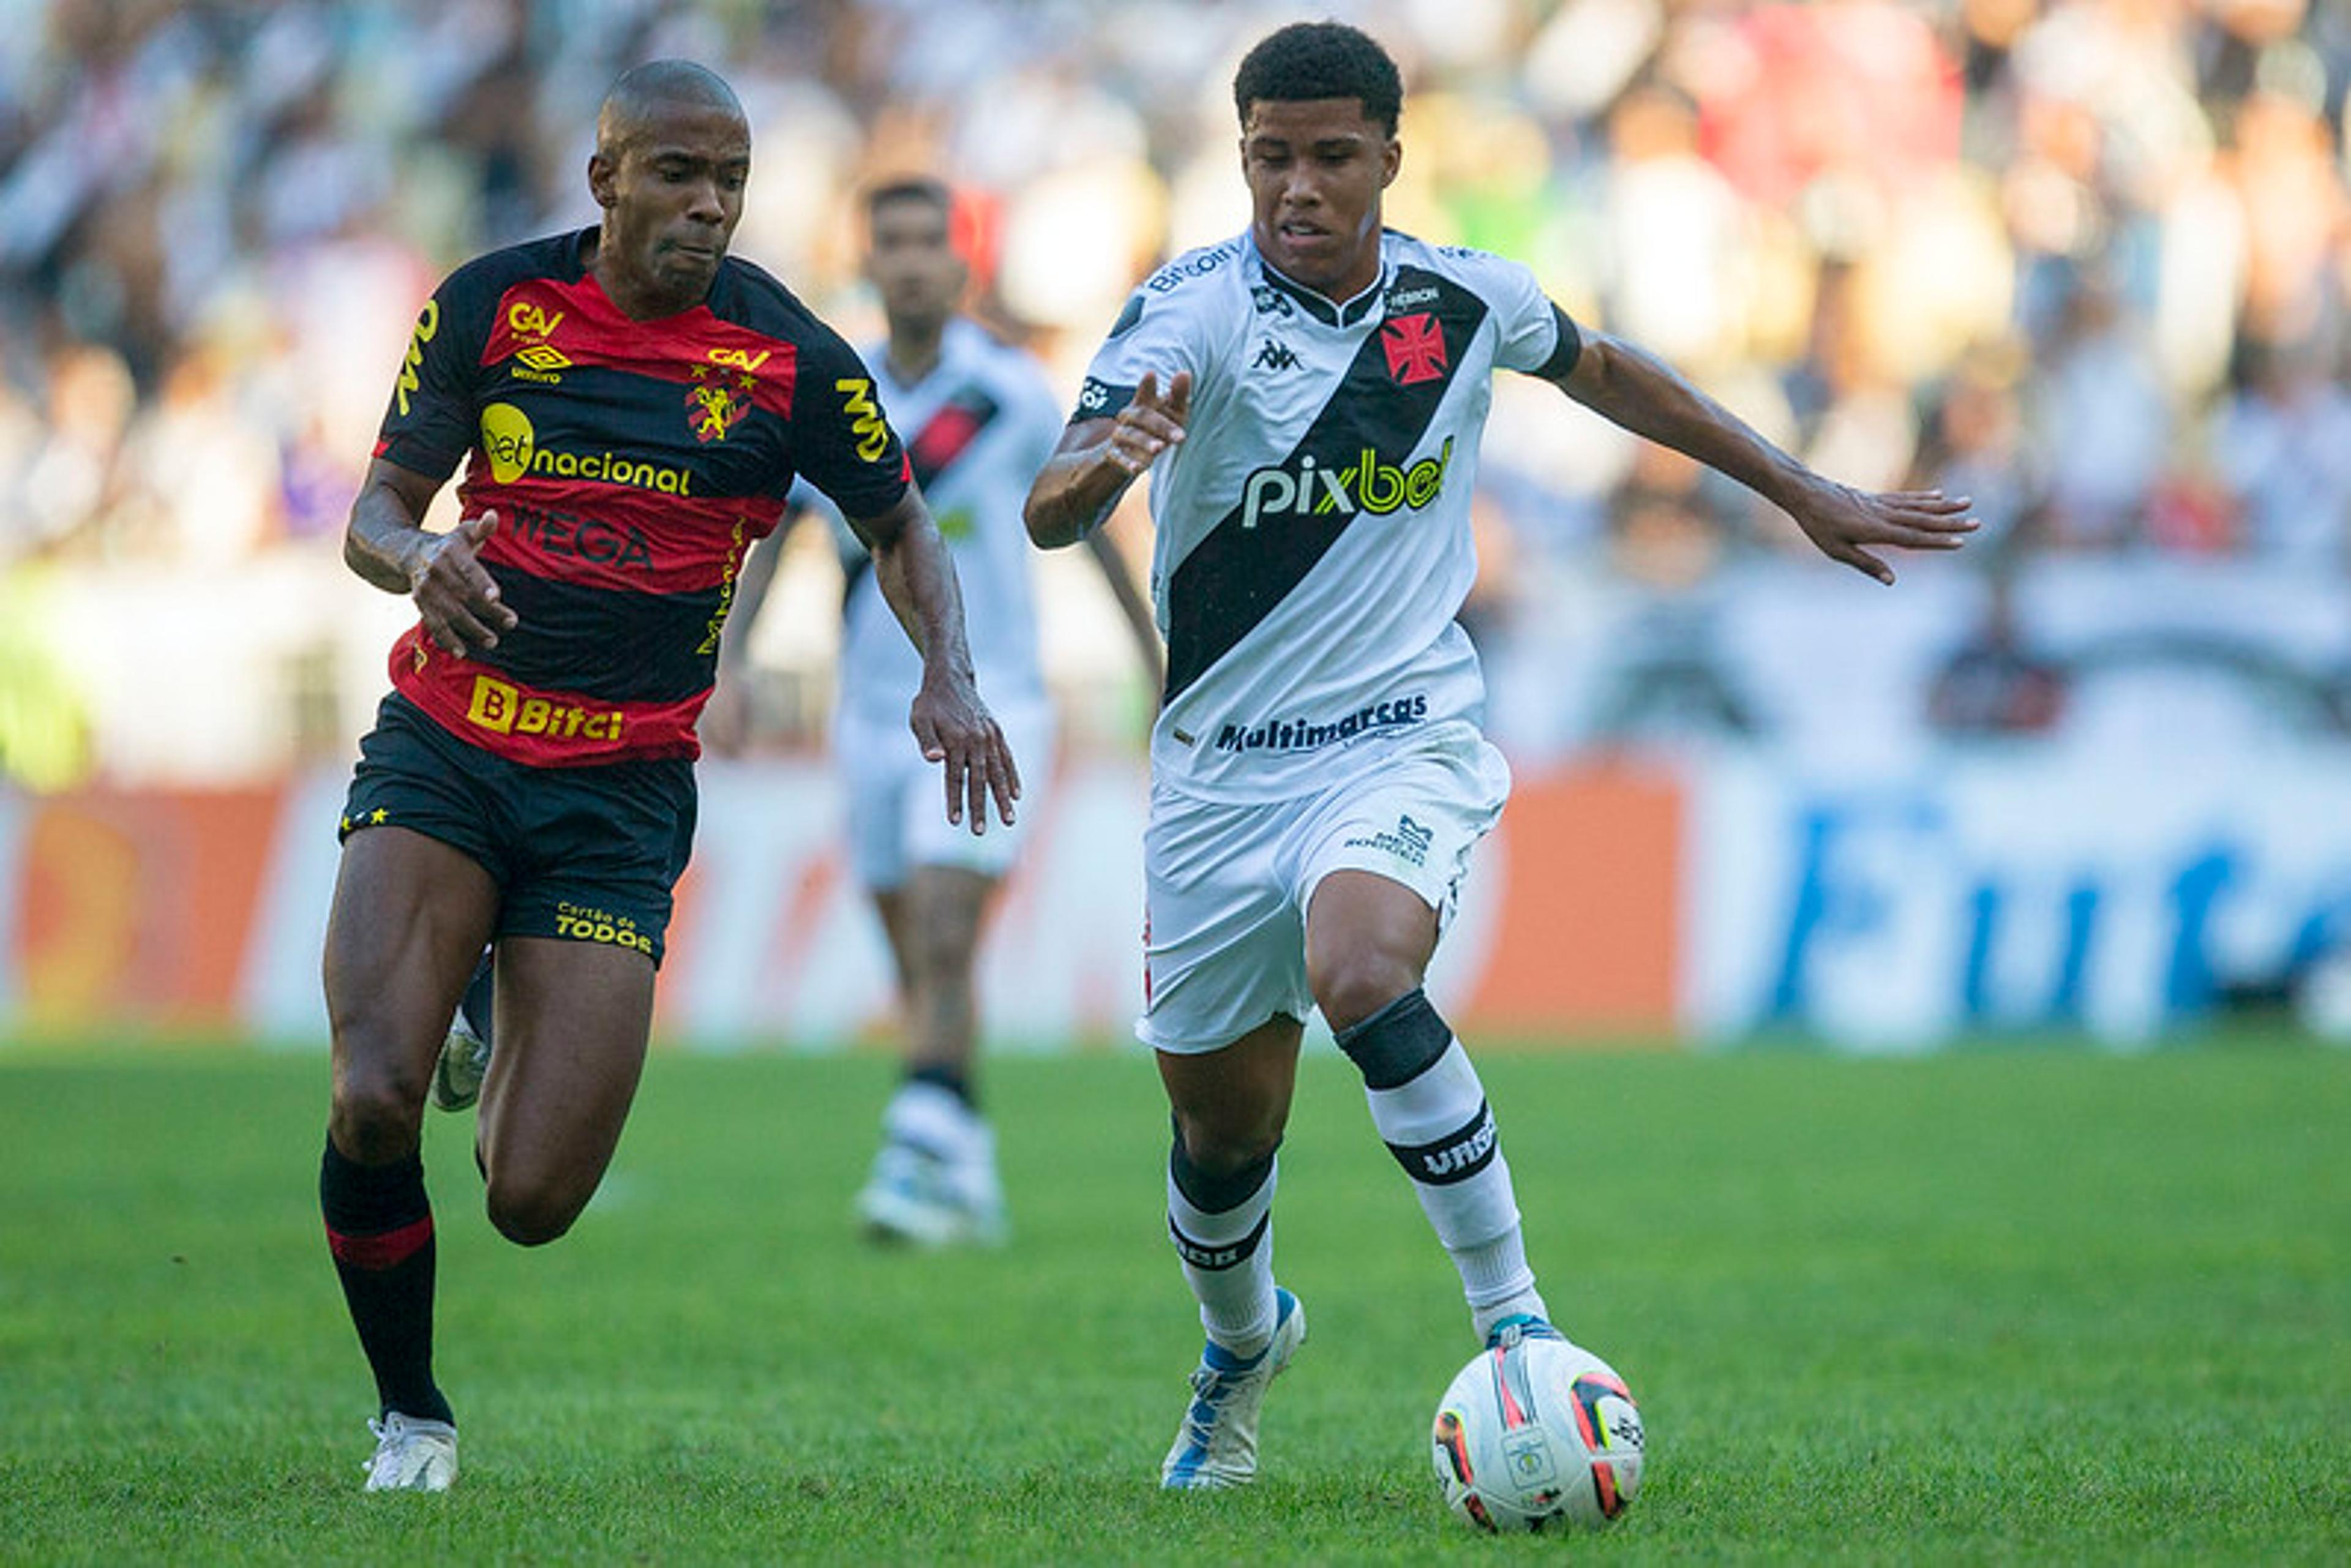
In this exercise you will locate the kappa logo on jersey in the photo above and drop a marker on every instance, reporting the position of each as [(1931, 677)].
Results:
[(717, 406), (1414, 346), (1274, 356), (1370, 483), (512, 446), (866, 423)]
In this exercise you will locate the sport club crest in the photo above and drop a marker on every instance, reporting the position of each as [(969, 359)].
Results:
[(1415, 348), (716, 402)]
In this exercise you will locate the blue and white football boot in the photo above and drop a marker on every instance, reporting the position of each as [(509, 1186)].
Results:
[(1217, 1445)]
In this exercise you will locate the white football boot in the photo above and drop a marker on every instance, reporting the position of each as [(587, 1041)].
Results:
[(466, 1054), (1217, 1445), (412, 1454), (933, 1182)]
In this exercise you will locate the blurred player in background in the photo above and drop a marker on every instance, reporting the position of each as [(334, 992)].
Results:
[(633, 404), (979, 420), (1317, 388)]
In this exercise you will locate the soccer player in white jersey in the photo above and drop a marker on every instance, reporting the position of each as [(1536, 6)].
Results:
[(1308, 398), (977, 418)]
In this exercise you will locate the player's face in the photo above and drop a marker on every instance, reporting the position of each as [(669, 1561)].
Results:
[(914, 265), (1315, 170), (671, 200)]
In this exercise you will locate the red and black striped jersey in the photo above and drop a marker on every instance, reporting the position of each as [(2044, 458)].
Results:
[(631, 463)]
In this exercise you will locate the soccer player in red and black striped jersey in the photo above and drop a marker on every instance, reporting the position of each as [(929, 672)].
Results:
[(631, 406)]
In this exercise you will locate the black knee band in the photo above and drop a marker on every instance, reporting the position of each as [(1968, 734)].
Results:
[(1216, 1193), (1397, 1044)]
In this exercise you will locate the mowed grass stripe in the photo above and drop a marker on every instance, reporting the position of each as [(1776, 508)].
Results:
[(2054, 1306)]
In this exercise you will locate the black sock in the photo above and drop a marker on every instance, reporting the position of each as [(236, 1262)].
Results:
[(380, 1230), (947, 1077)]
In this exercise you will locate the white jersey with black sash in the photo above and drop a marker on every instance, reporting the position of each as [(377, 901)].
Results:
[(977, 428), (1313, 543)]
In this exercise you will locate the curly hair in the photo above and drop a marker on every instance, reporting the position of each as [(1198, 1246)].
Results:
[(1320, 59)]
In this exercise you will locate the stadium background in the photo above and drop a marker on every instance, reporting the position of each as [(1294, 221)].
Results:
[(2086, 260)]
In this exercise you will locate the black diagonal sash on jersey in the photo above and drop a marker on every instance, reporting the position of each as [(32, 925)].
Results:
[(948, 433), (946, 436), (1236, 576)]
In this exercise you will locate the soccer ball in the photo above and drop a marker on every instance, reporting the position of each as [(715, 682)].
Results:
[(1534, 1435)]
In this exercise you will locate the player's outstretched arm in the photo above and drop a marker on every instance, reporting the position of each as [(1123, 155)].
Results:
[(1631, 388), (385, 542), (1098, 458), (953, 726)]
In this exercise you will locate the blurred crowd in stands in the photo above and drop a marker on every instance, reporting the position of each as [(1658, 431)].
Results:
[(2087, 261)]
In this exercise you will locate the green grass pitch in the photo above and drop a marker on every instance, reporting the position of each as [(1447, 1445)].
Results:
[(2018, 1306)]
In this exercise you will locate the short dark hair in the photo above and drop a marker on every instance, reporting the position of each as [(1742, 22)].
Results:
[(1320, 59), (923, 188), (620, 119)]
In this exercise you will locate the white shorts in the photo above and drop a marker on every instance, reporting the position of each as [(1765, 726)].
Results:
[(1227, 887), (896, 804)]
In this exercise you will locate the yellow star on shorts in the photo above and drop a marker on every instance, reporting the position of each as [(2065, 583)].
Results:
[(376, 817)]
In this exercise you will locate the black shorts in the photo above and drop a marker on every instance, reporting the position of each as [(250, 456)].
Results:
[(589, 855)]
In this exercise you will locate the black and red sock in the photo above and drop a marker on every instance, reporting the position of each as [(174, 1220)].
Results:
[(380, 1230)]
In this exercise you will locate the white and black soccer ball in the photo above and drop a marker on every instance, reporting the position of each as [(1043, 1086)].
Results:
[(1537, 1434)]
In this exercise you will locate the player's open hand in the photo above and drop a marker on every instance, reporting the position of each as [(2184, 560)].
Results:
[(954, 727), (454, 593), (1842, 521), (1150, 424)]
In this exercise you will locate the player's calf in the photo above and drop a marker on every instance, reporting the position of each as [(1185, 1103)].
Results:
[(1430, 1108)]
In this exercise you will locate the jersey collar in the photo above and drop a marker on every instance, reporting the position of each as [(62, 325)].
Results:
[(1322, 307)]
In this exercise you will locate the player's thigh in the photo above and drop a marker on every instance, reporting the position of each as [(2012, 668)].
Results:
[(408, 922), (582, 929), (1380, 862), (573, 1020), (879, 769), (1223, 942), (943, 909), (417, 891)]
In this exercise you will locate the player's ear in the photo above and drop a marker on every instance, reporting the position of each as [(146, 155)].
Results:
[(603, 180), (1391, 161)]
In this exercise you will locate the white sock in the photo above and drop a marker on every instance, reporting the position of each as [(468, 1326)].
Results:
[(1440, 1129), (1227, 1258)]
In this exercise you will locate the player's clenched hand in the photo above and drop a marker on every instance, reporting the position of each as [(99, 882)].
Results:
[(1842, 520), (954, 726), (454, 593), (1151, 423)]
